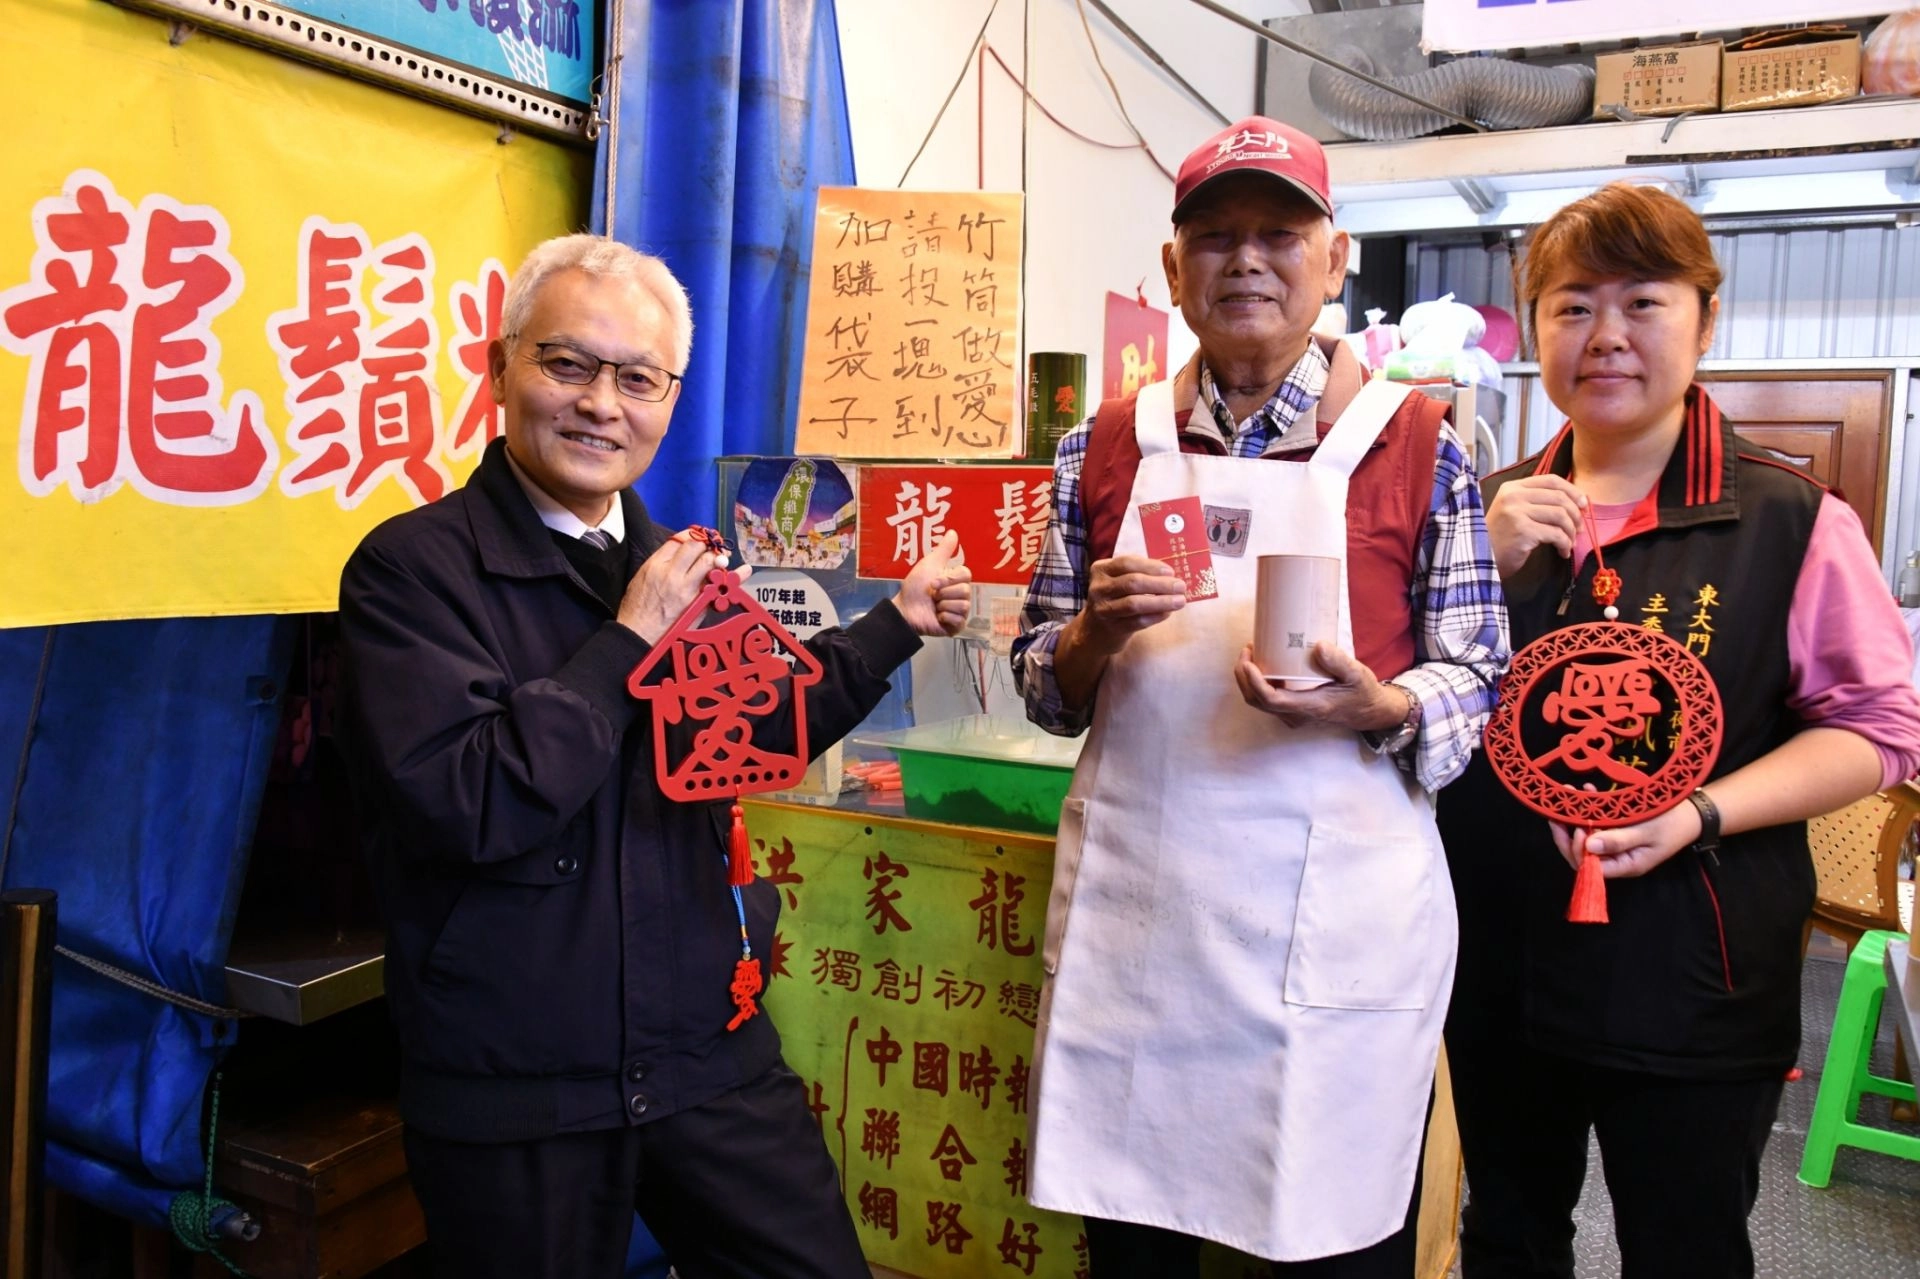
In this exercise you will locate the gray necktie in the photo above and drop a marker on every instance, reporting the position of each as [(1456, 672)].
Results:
[(598, 539)]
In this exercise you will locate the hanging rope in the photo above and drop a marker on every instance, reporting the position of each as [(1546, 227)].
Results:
[(191, 1215), (1139, 137), (145, 987)]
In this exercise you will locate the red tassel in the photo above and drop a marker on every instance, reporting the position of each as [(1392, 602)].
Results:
[(746, 984), (739, 860), (1589, 904)]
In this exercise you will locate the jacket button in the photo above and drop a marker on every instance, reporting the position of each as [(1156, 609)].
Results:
[(637, 1104), (567, 865), (636, 1072)]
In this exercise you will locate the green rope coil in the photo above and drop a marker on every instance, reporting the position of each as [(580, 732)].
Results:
[(190, 1214)]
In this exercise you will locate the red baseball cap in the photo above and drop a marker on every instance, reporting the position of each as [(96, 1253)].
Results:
[(1256, 145)]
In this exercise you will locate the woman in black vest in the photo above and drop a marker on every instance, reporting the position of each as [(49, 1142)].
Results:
[(1669, 1030)]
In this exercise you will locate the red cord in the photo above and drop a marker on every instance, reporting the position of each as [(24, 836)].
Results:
[(1720, 925), (1110, 146), (1606, 582)]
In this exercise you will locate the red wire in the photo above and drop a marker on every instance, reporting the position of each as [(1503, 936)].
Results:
[(1064, 126), (1593, 536)]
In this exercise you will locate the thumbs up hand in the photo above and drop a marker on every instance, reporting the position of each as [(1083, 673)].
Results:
[(938, 593)]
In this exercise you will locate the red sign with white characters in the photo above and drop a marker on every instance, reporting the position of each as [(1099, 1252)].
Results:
[(1000, 513)]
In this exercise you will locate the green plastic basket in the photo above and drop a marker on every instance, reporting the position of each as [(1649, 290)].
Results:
[(980, 770)]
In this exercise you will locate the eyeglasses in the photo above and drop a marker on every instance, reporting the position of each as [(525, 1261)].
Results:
[(575, 367)]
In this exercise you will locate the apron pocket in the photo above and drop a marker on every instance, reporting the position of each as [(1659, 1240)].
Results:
[(1361, 930), (1066, 864)]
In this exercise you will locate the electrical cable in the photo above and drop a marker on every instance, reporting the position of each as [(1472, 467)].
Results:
[(966, 64), (1153, 55), (1093, 44), (1063, 125)]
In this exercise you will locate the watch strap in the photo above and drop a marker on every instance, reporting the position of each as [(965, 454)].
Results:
[(1709, 840)]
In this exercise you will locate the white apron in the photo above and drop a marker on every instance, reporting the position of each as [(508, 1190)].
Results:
[(1251, 934)]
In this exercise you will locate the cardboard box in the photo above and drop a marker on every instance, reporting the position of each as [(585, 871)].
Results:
[(1790, 69), (1658, 79)]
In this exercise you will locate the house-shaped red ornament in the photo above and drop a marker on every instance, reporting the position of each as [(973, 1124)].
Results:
[(723, 665)]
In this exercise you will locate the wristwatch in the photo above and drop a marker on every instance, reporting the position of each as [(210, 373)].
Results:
[(1709, 840), (1392, 741)]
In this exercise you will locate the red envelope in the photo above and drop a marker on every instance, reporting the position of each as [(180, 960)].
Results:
[(1175, 533)]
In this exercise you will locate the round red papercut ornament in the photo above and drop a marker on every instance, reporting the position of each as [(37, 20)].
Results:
[(1584, 690)]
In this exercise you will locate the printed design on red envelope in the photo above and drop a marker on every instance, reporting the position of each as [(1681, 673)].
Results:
[(1227, 529), (1175, 534)]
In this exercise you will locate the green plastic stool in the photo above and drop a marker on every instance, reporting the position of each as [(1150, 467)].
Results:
[(1846, 1078)]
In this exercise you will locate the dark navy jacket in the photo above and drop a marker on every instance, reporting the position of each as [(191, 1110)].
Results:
[(561, 937), (1698, 974)]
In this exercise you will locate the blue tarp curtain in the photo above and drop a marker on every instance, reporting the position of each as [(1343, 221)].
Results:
[(733, 114), (133, 756)]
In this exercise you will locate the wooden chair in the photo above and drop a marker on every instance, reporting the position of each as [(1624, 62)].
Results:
[(1856, 861)]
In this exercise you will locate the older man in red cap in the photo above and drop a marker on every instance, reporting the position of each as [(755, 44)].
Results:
[(1250, 942)]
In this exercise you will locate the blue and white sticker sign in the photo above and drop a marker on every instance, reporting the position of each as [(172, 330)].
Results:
[(541, 44)]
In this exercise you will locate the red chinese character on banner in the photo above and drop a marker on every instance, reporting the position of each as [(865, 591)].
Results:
[(978, 1074), (944, 1228), (125, 383), (883, 1052), (363, 404), (817, 1102), (882, 870), (780, 872), (1017, 1247), (930, 1067), (476, 313), (998, 906), (1016, 1165), (880, 1208), (880, 1135), (952, 1154), (1017, 1078)]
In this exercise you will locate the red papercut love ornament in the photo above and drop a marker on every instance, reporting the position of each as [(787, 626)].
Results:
[(1587, 690), (720, 667)]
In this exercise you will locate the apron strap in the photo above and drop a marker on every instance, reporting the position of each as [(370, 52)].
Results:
[(1360, 425), (1153, 419)]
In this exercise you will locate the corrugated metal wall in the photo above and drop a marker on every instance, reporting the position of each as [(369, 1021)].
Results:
[(1842, 293), (1849, 293)]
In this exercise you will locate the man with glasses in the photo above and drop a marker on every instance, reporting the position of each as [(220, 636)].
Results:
[(562, 939)]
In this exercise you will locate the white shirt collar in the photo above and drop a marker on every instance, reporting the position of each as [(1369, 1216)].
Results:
[(559, 518)]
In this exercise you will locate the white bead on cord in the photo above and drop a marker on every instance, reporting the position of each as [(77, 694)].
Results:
[(1611, 613)]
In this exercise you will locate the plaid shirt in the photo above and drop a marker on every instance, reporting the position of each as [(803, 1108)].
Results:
[(1460, 618)]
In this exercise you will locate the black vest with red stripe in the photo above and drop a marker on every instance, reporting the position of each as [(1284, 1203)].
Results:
[(1698, 974)]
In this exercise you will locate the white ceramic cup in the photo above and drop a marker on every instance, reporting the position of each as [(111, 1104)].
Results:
[(1296, 605)]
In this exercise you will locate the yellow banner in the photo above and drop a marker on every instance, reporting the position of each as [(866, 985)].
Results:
[(908, 980), (913, 325), (244, 309)]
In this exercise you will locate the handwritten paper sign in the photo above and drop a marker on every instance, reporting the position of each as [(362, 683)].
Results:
[(999, 512), (912, 325)]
